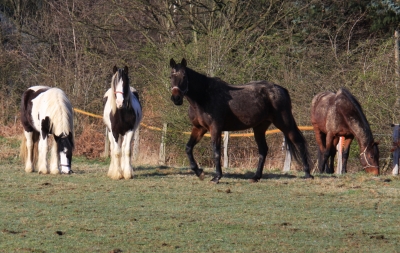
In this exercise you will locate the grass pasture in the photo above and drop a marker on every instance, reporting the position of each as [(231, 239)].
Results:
[(170, 210)]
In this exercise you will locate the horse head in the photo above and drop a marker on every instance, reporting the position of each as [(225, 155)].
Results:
[(369, 158), (65, 145), (120, 86), (179, 81)]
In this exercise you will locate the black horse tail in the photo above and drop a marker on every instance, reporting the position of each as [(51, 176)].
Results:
[(298, 149)]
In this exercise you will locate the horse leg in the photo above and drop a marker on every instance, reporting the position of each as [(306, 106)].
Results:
[(259, 136), (42, 158), (216, 144), (127, 169), (195, 137), (320, 137), (330, 168), (345, 153), (114, 171), (29, 151), (329, 139), (54, 158), (332, 153)]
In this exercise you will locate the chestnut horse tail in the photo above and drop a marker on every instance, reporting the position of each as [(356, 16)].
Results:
[(23, 153)]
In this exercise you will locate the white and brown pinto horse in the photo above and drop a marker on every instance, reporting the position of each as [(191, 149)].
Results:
[(47, 111), (122, 116)]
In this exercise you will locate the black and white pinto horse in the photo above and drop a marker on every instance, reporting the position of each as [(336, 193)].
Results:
[(122, 116), (47, 111)]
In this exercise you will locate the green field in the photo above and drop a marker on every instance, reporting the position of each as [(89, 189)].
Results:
[(169, 210)]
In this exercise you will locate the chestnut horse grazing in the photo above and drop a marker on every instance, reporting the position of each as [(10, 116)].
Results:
[(334, 115), (47, 111), (216, 106), (122, 116)]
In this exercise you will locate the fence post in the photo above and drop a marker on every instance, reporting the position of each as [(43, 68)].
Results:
[(288, 157), (396, 149), (396, 58), (136, 142), (226, 140), (339, 148), (106, 145), (161, 157)]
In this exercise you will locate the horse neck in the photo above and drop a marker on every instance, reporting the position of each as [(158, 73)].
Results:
[(197, 86), (361, 129), (363, 135)]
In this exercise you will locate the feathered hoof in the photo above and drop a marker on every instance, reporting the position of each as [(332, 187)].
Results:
[(29, 170), (56, 172), (115, 176), (129, 176)]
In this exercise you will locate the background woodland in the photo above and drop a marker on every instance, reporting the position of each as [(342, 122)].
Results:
[(306, 46)]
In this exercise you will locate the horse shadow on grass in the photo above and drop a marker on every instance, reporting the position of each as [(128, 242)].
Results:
[(163, 171)]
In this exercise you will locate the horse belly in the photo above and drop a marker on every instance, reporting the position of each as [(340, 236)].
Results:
[(237, 121)]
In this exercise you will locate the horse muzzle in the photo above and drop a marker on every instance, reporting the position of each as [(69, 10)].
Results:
[(177, 99), (372, 170), (65, 169)]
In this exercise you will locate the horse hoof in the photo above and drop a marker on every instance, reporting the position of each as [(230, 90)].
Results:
[(254, 180), (308, 176), (198, 172), (201, 176), (215, 180)]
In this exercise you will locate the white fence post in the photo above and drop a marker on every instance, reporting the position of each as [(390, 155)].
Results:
[(396, 149), (226, 140), (339, 148), (161, 157), (136, 142), (288, 157)]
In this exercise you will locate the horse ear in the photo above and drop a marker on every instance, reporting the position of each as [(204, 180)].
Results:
[(183, 62), (115, 69), (126, 69), (172, 63)]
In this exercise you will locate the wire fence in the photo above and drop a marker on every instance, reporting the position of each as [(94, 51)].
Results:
[(243, 151)]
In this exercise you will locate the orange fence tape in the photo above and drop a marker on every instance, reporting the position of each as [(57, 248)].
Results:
[(88, 113), (274, 131)]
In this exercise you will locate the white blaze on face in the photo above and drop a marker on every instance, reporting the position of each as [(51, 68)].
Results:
[(119, 93), (64, 162)]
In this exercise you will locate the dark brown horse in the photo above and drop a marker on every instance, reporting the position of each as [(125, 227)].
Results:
[(334, 115), (216, 106)]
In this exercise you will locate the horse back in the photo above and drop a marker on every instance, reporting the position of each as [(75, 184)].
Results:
[(330, 112), (27, 106), (239, 107), (323, 111)]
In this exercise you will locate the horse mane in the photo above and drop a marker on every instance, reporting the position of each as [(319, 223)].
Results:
[(358, 107), (60, 111), (200, 78), (111, 96)]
